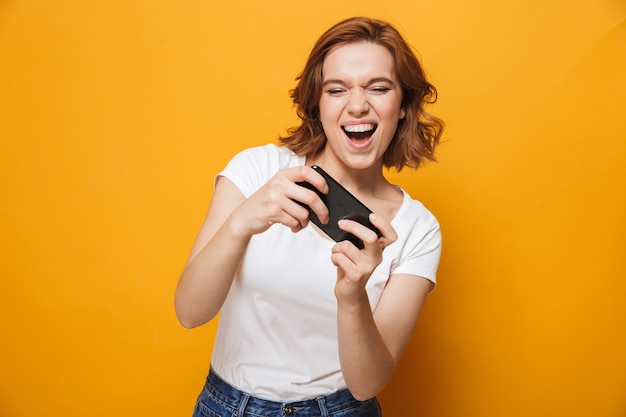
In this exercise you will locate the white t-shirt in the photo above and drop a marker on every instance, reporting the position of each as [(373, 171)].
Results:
[(277, 334)]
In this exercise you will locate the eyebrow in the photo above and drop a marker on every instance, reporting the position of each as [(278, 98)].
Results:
[(372, 81)]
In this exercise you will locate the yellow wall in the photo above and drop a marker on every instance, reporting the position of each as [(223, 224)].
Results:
[(116, 115)]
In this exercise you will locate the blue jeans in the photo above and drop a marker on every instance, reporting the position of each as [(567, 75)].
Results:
[(219, 399)]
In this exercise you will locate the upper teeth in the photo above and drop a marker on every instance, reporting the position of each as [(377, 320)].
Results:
[(359, 128)]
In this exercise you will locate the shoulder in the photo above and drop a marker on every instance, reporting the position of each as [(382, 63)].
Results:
[(252, 167), (418, 247), (414, 213), (270, 156)]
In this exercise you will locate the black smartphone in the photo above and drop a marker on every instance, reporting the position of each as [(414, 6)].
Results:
[(341, 205)]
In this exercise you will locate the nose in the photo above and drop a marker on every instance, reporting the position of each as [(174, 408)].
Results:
[(358, 104)]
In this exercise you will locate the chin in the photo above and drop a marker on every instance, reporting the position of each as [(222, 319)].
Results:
[(361, 163)]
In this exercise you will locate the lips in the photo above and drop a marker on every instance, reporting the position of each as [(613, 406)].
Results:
[(360, 132)]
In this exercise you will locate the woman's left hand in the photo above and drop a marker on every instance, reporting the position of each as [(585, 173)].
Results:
[(354, 266)]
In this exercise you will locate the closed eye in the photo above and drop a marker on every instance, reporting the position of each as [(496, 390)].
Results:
[(335, 91), (380, 90)]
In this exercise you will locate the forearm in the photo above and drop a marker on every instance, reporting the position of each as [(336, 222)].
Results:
[(223, 239), (206, 280), (365, 360)]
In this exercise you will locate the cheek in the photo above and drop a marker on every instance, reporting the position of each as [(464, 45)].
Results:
[(329, 111), (325, 116), (399, 111)]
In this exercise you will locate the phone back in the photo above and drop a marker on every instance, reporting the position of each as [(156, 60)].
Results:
[(341, 205)]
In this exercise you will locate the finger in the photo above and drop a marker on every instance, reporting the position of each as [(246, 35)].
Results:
[(307, 191), (389, 234), (367, 235), (296, 212), (308, 174), (342, 260), (284, 196), (278, 214), (347, 249), (311, 200), (353, 263)]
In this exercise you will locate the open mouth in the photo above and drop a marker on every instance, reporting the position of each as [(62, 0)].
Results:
[(360, 132)]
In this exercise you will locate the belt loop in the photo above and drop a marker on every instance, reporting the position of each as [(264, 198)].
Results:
[(242, 405), (321, 402)]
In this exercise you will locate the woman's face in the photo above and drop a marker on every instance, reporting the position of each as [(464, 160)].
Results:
[(360, 104)]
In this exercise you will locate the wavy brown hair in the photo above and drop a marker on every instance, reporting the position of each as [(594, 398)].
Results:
[(418, 132)]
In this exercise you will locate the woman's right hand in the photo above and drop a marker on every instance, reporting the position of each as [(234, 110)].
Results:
[(277, 202), (225, 233)]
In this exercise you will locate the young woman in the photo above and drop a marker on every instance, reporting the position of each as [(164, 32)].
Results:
[(308, 326)]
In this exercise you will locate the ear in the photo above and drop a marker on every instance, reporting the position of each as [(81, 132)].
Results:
[(402, 113)]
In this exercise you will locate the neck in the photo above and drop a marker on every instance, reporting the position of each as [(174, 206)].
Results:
[(356, 180)]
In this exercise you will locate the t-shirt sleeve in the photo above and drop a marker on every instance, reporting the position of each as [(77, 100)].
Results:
[(422, 249), (249, 169)]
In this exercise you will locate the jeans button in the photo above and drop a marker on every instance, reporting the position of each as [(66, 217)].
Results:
[(287, 410)]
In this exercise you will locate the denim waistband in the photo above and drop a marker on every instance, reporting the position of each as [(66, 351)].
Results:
[(247, 404)]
